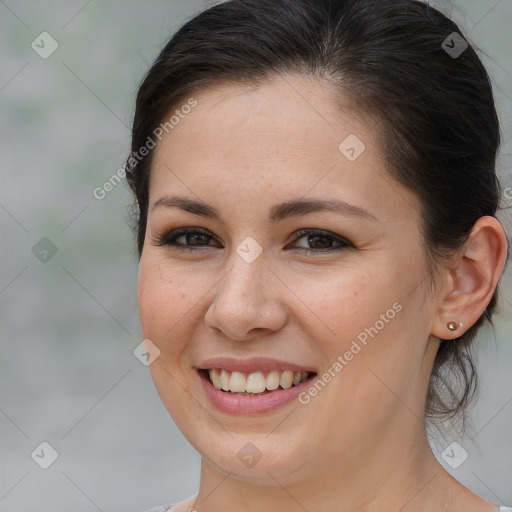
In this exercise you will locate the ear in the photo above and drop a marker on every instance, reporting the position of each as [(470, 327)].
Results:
[(471, 278)]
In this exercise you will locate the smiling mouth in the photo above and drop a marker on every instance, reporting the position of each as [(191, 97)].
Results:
[(256, 383)]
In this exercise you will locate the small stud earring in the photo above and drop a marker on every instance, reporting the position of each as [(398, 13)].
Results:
[(453, 326)]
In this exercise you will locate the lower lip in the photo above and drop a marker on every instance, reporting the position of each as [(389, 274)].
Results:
[(240, 404)]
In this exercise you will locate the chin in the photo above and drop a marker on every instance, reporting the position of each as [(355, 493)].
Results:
[(254, 458)]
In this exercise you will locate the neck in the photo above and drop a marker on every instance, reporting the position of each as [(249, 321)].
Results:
[(395, 471)]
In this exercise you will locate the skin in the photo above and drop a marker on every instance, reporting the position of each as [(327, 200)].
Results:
[(360, 444)]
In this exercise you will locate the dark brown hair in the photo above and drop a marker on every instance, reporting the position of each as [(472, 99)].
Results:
[(436, 121)]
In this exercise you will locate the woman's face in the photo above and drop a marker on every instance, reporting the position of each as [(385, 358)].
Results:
[(338, 292)]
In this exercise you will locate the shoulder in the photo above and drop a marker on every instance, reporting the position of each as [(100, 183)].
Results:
[(187, 505)]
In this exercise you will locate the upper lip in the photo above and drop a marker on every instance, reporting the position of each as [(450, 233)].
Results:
[(252, 364)]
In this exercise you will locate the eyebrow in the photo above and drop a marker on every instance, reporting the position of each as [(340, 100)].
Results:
[(277, 213)]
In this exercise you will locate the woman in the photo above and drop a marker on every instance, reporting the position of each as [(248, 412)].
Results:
[(316, 197)]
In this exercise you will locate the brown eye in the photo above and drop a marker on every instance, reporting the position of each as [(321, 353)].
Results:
[(319, 241), (191, 237)]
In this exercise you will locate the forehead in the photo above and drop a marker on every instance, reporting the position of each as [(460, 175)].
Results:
[(288, 138), (289, 114)]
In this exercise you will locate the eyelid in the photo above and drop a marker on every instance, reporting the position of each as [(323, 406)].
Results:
[(322, 232), (170, 237)]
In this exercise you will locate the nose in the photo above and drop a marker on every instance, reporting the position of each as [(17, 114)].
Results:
[(245, 304)]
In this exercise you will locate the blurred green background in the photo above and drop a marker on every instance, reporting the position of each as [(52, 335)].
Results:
[(69, 324)]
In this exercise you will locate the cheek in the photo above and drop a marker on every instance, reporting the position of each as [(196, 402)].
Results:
[(368, 317), (162, 299), (344, 301), (170, 300), (380, 323)]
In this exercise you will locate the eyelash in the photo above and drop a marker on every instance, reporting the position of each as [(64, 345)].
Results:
[(170, 238)]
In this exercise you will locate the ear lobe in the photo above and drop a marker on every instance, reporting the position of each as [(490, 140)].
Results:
[(473, 279)]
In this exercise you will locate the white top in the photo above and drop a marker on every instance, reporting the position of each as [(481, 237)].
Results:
[(166, 508)]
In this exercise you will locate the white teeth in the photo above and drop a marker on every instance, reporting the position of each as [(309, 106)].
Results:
[(272, 380), (215, 378), (255, 382), (286, 379), (237, 382), (224, 380)]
